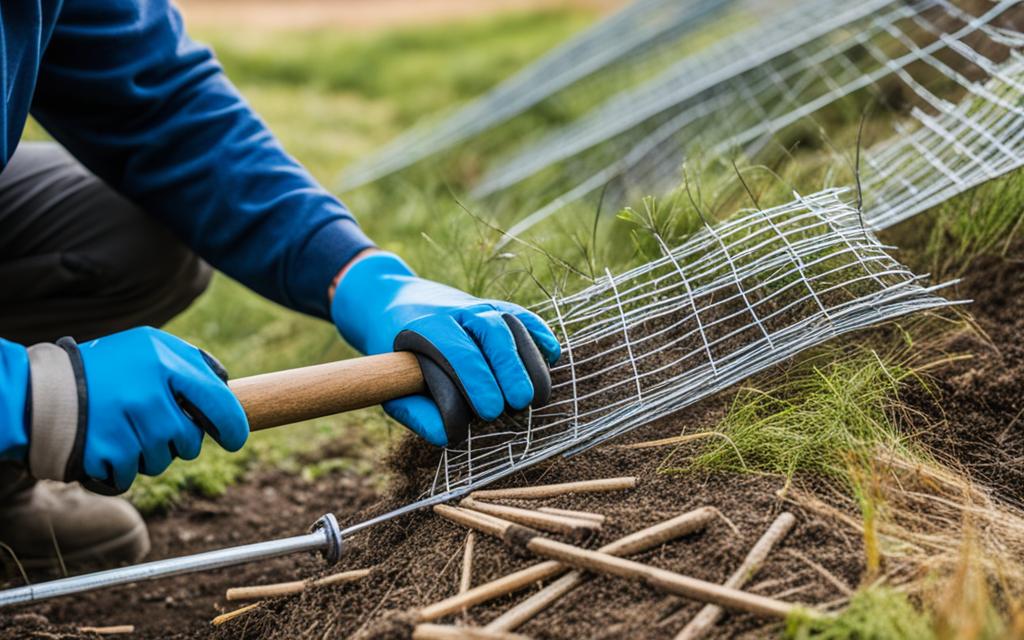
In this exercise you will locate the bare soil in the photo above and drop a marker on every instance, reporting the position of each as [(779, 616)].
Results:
[(268, 505), (979, 402), (971, 412), (417, 559)]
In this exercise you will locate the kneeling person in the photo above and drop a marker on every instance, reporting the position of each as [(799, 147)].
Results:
[(161, 170)]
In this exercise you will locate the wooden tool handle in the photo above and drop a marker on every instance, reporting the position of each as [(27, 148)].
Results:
[(294, 395)]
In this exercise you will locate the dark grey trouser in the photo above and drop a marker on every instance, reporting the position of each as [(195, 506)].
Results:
[(78, 259)]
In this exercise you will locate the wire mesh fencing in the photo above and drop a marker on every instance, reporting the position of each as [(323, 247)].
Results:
[(732, 300), (617, 52), (748, 293), (700, 80), (965, 145), (820, 56)]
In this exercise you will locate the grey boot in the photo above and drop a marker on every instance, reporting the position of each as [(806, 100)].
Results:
[(86, 528)]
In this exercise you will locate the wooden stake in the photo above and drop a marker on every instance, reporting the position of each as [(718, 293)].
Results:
[(637, 542), (599, 518), (552, 490), (658, 534), (708, 617), (527, 609), (108, 631), (448, 632), (577, 528), (523, 612), (667, 581), (481, 522), (341, 578), (231, 615), (466, 579), (495, 589), (661, 579), (260, 592)]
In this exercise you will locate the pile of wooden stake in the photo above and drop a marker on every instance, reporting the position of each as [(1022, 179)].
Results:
[(529, 530)]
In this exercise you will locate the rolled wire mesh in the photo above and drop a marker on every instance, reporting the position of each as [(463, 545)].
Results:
[(933, 50), (733, 299), (976, 140), (638, 39), (751, 292)]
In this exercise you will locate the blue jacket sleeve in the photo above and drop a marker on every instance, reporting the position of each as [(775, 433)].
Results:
[(13, 401), (151, 112)]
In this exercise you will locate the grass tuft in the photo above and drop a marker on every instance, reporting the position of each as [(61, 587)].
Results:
[(832, 407), (936, 541), (984, 221), (874, 613)]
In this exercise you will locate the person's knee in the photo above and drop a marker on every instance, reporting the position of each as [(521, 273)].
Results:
[(84, 260), (141, 266), (177, 278), (156, 271), (199, 282)]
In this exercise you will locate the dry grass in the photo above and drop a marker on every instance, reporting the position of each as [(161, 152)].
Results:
[(937, 539)]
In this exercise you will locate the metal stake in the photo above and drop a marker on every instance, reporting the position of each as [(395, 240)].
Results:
[(325, 536)]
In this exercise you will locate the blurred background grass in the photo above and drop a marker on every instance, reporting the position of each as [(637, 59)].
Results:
[(332, 93)]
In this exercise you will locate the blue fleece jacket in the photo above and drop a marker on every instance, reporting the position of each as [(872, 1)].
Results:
[(124, 89)]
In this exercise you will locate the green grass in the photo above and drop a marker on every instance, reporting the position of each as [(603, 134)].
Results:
[(961, 608), (426, 69), (874, 613), (985, 221), (333, 96), (830, 409)]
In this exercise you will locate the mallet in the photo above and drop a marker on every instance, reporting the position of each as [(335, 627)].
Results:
[(294, 395), (284, 397)]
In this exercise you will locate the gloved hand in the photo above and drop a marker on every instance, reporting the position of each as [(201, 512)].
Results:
[(128, 403), (380, 305)]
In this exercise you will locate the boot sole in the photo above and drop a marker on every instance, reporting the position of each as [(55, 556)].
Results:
[(128, 547)]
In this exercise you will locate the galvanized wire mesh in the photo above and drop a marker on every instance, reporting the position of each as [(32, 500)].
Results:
[(966, 144), (637, 41), (732, 300), (740, 93), (751, 292)]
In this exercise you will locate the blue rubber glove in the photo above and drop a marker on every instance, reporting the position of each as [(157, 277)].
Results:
[(379, 297), (141, 398)]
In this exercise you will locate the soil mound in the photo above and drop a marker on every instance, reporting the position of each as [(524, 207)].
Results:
[(977, 404)]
